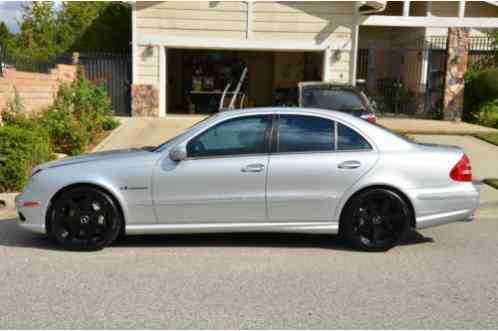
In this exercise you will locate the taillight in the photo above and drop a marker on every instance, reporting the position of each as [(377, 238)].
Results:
[(462, 171), (372, 119)]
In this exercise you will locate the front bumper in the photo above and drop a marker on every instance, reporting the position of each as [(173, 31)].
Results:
[(31, 212)]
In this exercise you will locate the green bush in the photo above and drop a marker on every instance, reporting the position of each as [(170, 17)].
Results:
[(21, 149), (81, 111), (486, 85), (110, 124), (481, 93), (487, 114), (67, 135)]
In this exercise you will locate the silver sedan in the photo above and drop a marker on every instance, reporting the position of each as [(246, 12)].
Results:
[(252, 170)]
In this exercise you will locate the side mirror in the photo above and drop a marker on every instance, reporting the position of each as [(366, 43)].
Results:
[(178, 153)]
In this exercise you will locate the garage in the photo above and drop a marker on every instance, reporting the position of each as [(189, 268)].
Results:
[(199, 80)]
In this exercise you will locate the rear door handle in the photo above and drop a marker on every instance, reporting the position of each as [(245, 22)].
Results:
[(256, 167), (349, 165)]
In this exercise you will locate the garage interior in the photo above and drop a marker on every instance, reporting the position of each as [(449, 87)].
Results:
[(197, 78)]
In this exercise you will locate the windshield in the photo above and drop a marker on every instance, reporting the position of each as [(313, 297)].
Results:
[(332, 99), (173, 140)]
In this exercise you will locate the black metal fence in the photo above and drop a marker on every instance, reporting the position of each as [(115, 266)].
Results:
[(114, 71), (29, 64)]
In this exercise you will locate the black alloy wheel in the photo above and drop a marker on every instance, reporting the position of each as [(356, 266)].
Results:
[(84, 218), (376, 220)]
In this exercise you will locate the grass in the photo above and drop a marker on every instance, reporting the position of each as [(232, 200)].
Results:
[(491, 137), (493, 182)]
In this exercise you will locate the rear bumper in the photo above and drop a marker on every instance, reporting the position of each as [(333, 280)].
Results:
[(445, 218), (445, 205)]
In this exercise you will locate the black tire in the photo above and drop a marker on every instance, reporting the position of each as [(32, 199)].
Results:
[(376, 220), (84, 218)]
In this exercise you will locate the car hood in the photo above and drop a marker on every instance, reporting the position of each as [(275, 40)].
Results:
[(113, 155)]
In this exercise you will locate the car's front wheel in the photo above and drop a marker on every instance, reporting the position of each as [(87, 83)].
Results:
[(376, 220), (84, 218)]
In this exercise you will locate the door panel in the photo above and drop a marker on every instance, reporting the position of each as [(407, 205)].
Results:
[(308, 186), (213, 190), (223, 179)]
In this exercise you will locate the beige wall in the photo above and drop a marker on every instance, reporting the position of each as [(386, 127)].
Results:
[(36, 90), (313, 22)]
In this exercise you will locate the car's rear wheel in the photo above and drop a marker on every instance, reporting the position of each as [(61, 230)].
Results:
[(84, 218), (376, 220)]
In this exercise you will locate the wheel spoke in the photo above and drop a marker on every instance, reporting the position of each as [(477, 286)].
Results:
[(386, 207), (376, 232), (86, 204), (73, 226), (372, 207), (395, 218)]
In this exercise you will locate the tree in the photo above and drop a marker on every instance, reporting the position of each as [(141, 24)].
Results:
[(5, 34), (37, 36), (95, 26)]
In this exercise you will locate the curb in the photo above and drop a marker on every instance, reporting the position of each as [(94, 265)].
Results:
[(7, 200)]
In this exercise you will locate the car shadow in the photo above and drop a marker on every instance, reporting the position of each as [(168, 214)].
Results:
[(13, 236)]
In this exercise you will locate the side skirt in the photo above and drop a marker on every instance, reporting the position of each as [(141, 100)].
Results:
[(295, 227)]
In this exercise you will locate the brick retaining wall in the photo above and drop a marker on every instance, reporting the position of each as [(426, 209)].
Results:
[(36, 90)]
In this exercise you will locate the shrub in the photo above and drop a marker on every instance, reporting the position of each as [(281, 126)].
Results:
[(481, 90), (110, 123), (486, 85), (19, 120), (21, 150), (67, 135), (80, 112), (487, 114)]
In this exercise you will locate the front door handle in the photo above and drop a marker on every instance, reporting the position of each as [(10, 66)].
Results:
[(349, 165), (256, 167)]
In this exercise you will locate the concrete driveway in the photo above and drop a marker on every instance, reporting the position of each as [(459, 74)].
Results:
[(443, 277), (146, 131)]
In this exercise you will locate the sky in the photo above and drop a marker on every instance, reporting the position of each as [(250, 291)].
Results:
[(10, 11)]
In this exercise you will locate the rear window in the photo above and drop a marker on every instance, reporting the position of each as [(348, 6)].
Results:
[(332, 99)]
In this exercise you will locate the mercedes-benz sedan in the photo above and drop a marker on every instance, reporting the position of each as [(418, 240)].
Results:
[(255, 170)]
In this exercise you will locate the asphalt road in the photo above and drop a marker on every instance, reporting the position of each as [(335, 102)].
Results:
[(444, 277)]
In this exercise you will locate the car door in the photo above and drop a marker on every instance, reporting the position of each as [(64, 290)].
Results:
[(313, 162), (223, 178)]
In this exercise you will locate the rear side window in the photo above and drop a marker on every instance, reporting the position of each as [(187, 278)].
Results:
[(299, 133), (350, 140)]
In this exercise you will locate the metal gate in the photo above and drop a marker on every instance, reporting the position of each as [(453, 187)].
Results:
[(436, 75), (407, 78), (113, 70)]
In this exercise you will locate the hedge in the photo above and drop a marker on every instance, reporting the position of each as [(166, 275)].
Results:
[(20, 150)]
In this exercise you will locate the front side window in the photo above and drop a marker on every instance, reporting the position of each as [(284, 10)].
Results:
[(350, 140), (240, 136), (300, 133)]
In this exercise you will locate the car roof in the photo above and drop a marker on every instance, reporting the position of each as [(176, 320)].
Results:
[(296, 110)]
